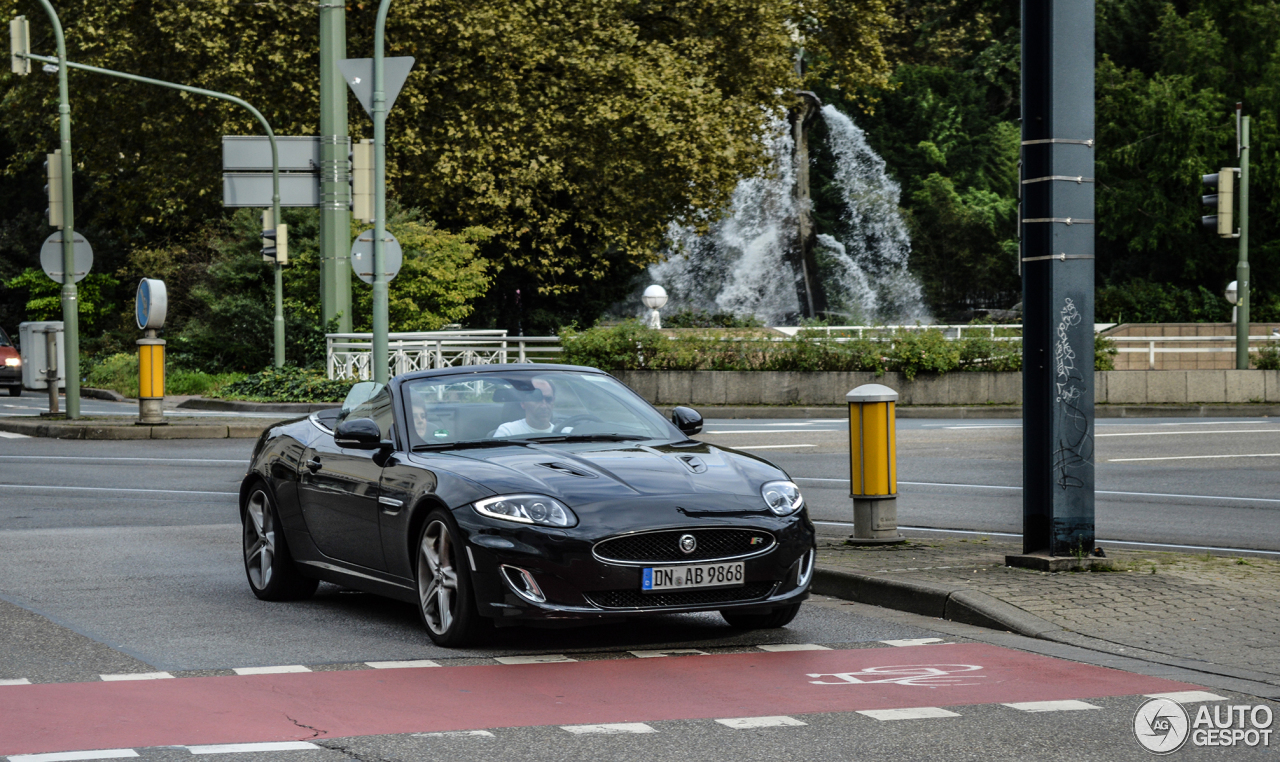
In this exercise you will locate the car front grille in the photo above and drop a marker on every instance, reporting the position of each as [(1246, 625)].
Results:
[(634, 599), (664, 547)]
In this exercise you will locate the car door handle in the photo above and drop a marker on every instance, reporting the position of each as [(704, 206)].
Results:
[(314, 464)]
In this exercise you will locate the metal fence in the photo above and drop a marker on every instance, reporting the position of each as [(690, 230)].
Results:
[(1151, 348), (348, 355)]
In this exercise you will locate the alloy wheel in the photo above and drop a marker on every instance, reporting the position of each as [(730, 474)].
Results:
[(437, 578), (259, 539)]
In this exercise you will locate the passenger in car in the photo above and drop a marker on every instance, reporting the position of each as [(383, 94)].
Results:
[(537, 413), (426, 429)]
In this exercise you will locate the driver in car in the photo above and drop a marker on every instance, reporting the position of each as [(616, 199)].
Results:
[(537, 413)]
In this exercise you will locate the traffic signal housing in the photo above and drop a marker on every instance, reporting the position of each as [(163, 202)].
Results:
[(53, 189), (19, 45), (275, 240), (362, 180), (1222, 201)]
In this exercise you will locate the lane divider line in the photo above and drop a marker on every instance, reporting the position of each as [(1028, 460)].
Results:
[(612, 728), (118, 489), (783, 647), (1188, 697), (538, 659), (71, 756), (270, 670), (667, 652), (17, 681), (11, 435), (252, 748), (746, 723), (455, 734), (912, 713), (908, 642), (240, 461), (412, 664), (1272, 430), (136, 676), (773, 447), (1196, 457), (1019, 489), (1070, 705)]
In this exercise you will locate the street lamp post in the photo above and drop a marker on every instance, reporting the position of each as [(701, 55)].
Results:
[(380, 317)]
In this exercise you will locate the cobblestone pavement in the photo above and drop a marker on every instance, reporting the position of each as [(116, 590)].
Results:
[(1215, 609)]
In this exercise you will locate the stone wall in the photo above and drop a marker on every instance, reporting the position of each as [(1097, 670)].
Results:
[(786, 388)]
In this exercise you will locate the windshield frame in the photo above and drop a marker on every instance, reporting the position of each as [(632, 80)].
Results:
[(658, 426)]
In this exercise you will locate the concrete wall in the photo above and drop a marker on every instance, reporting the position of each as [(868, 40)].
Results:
[(707, 387)]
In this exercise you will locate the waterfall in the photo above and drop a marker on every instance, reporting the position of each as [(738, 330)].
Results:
[(742, 264)]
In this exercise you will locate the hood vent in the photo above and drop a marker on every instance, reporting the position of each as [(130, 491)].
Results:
[(565, 468), (693, 463)]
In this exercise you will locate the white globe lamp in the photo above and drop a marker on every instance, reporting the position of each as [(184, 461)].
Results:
[(655, 298)]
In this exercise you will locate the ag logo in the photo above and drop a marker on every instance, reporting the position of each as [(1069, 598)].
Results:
[(1161, 725)]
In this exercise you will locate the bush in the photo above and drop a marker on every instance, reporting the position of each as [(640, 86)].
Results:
[(694, 318), (119, 373), (1267, 357), (287, 384)]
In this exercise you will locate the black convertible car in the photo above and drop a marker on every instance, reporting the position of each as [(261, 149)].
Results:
[(504, 494)]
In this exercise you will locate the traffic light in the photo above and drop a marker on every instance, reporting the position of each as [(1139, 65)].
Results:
[(275, 240), (53, 190), (1222, 201), (19, 45), (362, 180)]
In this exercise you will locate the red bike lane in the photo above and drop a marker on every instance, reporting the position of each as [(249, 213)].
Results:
[(316, 705)]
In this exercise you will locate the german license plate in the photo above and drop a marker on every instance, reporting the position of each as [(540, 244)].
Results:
[(657, 578)]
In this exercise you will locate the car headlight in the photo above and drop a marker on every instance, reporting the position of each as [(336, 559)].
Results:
[(527, 509), (783, 498), (13, 362)]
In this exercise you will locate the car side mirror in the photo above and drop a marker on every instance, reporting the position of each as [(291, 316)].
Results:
[(358, 434), (688, 420)]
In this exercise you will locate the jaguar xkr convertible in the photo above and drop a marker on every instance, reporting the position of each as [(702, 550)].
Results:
[(521, 494)]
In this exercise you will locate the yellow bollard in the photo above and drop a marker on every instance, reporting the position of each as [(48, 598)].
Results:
[(873, 464), (151, 379)]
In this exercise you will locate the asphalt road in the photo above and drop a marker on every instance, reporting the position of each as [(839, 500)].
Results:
[(123, 557)]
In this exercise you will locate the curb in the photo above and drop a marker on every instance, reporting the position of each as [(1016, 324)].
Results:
[(236, 406), (127, 431), (957, 604), (985, 411)]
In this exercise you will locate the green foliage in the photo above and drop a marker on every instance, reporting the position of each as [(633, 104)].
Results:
[(119, 372), (1266, 357), (287, 384), (44, 300), (1141, 301), (1104, 353), (696, 318)]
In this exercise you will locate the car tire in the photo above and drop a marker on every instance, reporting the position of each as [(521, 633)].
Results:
[(779, 617), (272, 574), (446, 599), (15, 391)]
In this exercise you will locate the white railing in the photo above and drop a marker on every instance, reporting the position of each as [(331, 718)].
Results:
[(348, 355), (1151, 341)]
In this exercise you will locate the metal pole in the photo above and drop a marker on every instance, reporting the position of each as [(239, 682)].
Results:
[(1242, 267), (335, 172), (1057, 276), (69, 258), (70, 305), (380, 317)]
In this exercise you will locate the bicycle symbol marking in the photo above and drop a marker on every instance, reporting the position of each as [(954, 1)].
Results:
[(928, 675)]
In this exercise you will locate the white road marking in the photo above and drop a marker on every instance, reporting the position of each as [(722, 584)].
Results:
[(69, 756), (913, 713), (1196, 457), (270, 670), (1272, 430), (765, 431), (1051, 706), (987, 426), (1188, 697), (11, 435), (784, 647), (743, 723), (136, 676), (912, 642), (539, 659), (1019, 489), (773, 447), (413, 664), (668, 652), (609, 729), (118, 489), (247, 748), (158, 459), (456, 734), (17, 681)]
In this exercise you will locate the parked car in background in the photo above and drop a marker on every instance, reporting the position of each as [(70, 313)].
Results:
[(10, 366), (522, 494)]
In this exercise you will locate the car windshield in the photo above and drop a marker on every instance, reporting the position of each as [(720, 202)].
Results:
[(554, 406)]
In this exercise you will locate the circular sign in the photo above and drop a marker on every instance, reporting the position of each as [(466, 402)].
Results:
[(151, 305), (362, 256), (51, 257)]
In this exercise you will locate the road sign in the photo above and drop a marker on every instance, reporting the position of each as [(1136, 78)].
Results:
[(359, 75), (51, 257), (254, 189), (151, 305), (252, 153), (362, 256)]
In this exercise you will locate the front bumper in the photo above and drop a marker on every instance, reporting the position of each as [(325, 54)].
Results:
[(10, 376), (572, 583)]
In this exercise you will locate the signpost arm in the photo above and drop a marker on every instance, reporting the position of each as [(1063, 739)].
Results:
[(1242, 266), (380, 316), (70, 305), (68, 256)]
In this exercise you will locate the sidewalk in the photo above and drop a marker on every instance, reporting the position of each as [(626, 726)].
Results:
[(1213, 614)]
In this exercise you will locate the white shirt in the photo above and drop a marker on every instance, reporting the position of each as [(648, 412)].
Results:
[(521, 428)]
